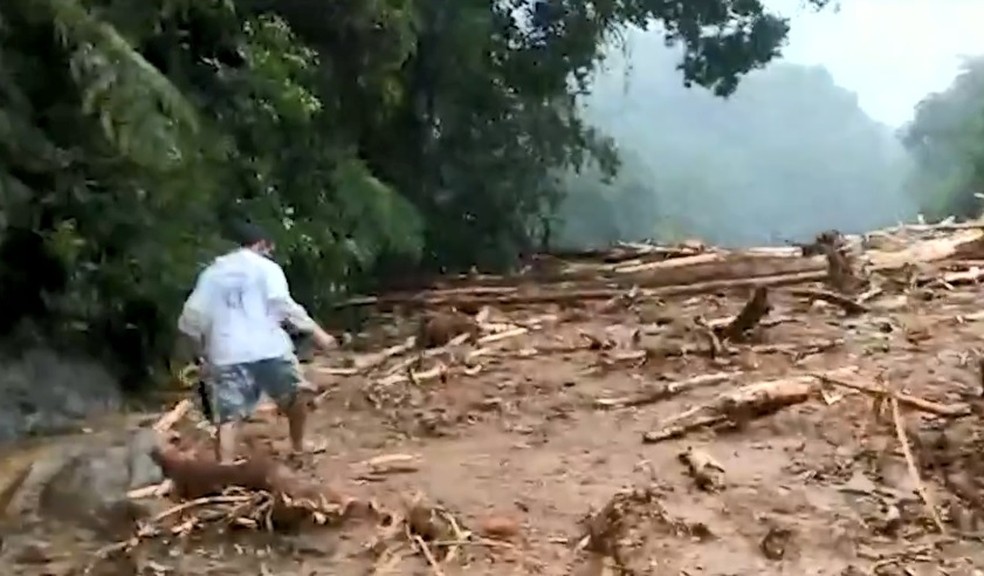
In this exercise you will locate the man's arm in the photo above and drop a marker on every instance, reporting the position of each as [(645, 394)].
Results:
[(193, 323), (286, 309)]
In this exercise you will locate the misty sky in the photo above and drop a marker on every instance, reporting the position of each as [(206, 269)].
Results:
[(890, 52)]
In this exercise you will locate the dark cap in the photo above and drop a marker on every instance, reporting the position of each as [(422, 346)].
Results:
[(246, 233)]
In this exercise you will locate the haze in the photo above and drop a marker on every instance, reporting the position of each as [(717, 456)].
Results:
[(807, 144), (890, 52)]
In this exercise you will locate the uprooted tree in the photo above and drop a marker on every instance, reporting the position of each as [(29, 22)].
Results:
[(364, 134)]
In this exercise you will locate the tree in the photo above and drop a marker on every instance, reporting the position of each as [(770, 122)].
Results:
[(946, 140), (363, 134), (788, 154)]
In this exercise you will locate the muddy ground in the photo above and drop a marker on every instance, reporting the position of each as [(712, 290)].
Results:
[(520, 443)]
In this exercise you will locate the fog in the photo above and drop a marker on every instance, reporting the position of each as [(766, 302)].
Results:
[(791, 153)]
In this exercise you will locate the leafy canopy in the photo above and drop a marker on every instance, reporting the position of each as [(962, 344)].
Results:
[(372, 137), (946, 139)]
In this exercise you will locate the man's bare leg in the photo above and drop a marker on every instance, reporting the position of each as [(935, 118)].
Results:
[(225, 443), (297, 422)]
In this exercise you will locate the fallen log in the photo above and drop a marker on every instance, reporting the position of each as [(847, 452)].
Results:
[(194, 478), (688, 274), (371, 361), (735, 271), (949, 279), (561, 297), (742, 405), (670, 263), (735, 266), (930, 250), (387, 464)]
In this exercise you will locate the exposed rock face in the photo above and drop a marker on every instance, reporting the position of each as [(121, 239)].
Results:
[(85, 484), (43, 392)]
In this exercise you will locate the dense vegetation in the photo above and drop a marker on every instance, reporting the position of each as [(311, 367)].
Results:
[(371, 136), (790, 153), (946, 140)]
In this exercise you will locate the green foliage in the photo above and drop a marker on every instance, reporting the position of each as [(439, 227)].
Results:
[(369, 136), (946, 139)]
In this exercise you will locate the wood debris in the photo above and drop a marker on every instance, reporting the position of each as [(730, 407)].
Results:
[(707, 473), (738, 407), (659, 391), (677, 324)]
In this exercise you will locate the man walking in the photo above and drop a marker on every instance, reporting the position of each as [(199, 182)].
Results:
[(235, 314)]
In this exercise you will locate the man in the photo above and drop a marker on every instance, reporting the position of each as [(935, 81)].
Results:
[(235, 313)]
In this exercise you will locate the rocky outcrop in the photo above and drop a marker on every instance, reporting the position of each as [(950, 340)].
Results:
[(89, 488), (82, 481), (44, 392)]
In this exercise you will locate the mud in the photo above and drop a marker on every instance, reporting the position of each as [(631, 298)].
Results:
[(527, 465)]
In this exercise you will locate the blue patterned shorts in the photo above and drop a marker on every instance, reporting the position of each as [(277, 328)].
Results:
[(236, 389)]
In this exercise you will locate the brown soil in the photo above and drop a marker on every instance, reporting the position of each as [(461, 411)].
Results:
[(526, 447)]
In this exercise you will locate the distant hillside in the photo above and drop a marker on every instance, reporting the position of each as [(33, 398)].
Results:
[(789, 154)]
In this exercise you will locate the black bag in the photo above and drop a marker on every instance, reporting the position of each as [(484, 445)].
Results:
[(205, 397)]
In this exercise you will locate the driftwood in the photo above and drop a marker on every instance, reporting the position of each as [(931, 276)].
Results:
[(562, 297), (663, 390), (931, 250), (946, 410), (949, 279), (849, 305), (172, 417), (755, 309), (742, 405), (703, 273), (707, 473), (635, 268), (389, 464), (195, 477), (662, 271)]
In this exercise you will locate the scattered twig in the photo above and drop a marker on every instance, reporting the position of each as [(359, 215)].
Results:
[(849, 305), (152, 491), (663, 390), (435, 566), (911, 463), (948, 410)]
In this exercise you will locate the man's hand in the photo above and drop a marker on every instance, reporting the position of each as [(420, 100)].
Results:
[(325, 341)]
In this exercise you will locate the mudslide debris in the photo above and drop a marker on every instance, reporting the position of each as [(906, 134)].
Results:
[(761, 381)]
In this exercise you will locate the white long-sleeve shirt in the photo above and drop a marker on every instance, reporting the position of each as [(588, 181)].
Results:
[(237, 309)]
